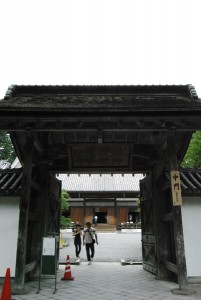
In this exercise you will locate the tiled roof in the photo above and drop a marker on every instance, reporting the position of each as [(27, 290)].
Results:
[(135, 97), (190, 182), (10, 182), (100, 182), (4, 164)]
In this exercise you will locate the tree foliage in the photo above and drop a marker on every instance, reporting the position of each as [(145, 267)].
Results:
[(64, 200), (192, 158), (7, 151), (64, 222)]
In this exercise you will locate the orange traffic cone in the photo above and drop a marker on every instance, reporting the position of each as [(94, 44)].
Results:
[(67, 273), (6, 290)]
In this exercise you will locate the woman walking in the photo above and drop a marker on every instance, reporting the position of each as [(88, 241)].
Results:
[(77, 233)]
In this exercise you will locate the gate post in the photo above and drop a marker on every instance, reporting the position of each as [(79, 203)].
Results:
[(161, 229), (24, 214), (177, 220)]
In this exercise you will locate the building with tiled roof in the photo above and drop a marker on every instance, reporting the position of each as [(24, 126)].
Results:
[(101, 182), (112, 197)]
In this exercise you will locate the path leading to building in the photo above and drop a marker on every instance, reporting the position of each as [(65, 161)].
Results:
[(113, 246)]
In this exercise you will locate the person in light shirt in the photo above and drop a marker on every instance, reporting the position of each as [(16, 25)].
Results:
[(89, 239)]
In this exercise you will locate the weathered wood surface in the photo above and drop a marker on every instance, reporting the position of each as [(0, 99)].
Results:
[(24, 214), (177, 221)]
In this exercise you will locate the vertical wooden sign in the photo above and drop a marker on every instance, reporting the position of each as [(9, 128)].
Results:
[(176, 188)]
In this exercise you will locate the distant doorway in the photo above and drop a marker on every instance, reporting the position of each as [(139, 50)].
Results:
[(102, 217), (133, 217)]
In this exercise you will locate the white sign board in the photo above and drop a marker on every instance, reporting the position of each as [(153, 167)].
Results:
[(48, 246)]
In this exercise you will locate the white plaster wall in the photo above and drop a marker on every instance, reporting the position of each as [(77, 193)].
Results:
[(9, 219), (191, 218)]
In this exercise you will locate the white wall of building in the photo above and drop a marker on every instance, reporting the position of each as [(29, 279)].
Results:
[(9, 216), (191, 217)]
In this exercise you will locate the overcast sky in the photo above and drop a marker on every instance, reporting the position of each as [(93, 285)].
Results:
[(100, 42)]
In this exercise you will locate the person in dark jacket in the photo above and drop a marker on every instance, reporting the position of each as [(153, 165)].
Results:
[(77, 233)]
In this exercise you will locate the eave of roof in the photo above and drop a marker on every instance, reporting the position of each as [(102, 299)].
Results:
[(10, 183), (155, 98)]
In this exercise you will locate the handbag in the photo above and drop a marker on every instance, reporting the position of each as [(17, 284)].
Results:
[(93, 240)]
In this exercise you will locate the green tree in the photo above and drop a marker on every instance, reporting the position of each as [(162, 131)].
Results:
[(64, 221), (192, 158), (64, 200), (7, 151)]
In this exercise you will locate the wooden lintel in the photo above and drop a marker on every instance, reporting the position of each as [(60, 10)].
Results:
[(171, 267), (65, 124)]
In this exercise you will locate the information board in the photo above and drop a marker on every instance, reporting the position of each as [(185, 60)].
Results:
[(48, 267), (48, 259)]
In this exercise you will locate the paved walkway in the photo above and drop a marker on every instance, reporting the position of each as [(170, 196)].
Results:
[(106, 281)]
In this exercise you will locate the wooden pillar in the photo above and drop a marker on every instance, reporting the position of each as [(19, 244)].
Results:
[(177, 220), (24, 214), (162, 240)]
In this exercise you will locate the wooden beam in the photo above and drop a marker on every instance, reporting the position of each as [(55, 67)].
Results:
[(30, 267), (132, 124), (24, 214), (171, 267)]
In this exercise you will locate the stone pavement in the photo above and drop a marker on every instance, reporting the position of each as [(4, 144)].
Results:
[(112, 247), (106, 281), (106, 278)]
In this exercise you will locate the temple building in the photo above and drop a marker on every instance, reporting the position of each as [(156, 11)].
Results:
[(113, 198)]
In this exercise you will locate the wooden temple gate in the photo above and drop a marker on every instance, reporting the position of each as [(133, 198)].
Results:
[(109, 129), (162, 232)]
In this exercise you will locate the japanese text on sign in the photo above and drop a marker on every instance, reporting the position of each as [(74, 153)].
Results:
[(176, 188), (48, 246)]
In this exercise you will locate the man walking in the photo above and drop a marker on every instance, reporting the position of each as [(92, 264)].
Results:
[(89, 239)]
